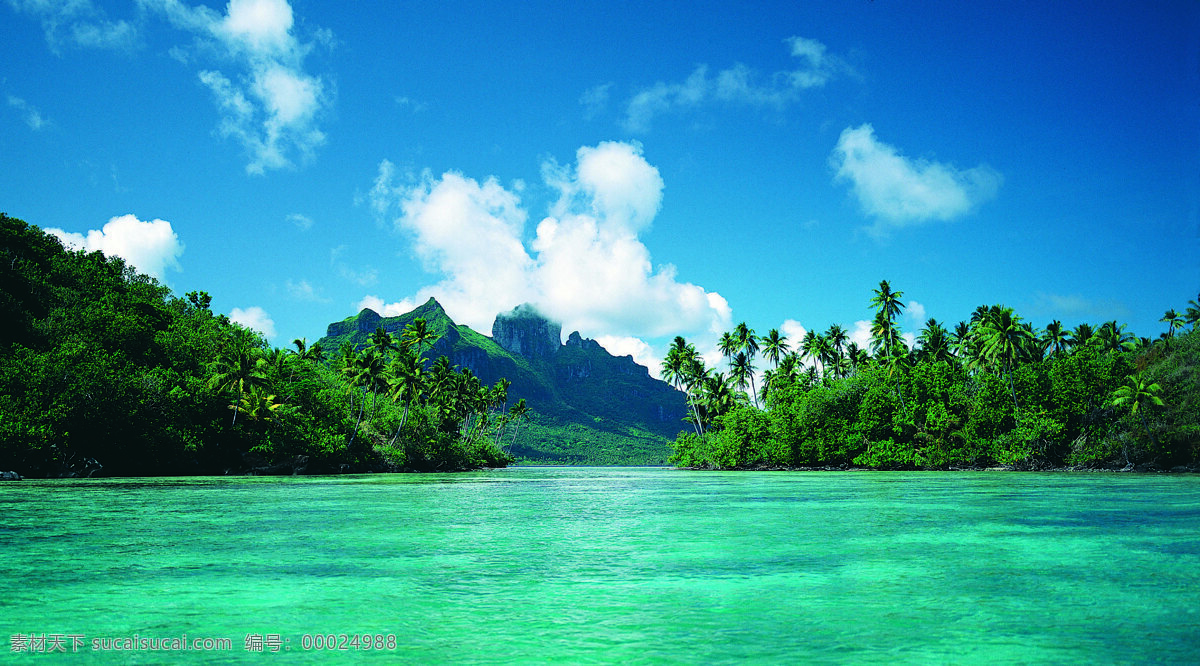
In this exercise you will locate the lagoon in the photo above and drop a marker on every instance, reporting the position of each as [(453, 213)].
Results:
[(609, 565)]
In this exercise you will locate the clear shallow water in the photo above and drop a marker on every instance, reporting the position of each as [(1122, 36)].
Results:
[(615, 565)]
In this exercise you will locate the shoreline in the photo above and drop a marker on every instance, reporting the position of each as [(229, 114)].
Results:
[(1073, 469)]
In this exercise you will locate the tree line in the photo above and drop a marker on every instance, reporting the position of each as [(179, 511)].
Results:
[(991, 390), (103, 370)]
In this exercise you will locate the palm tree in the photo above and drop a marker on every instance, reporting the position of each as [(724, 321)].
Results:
[(306, 353), (677, 368), (239, 368), (884, 334), (1137, 395), (837, 337), (404, 379), (382, 342), (418, 334), (720, 396), (887, 301), (515, 414), (748, 344), (257, 405), (1081, 335), (774, 346), (368, 373), (934, 342), (895, 359), (1056, 338), (694, 377), (746, 339), (1174, 321), (1112, 337), (1192, 314), (728, 346), (1002, 339), (960, 339), (440, 378), (809, 347), (743, 371), (825, 353), (788, 369)]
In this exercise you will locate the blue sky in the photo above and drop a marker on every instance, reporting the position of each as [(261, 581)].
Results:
[(636, 170)]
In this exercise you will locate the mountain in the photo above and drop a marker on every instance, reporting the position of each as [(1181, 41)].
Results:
[(589, 407)]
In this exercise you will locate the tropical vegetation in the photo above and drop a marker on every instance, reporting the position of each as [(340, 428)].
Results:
[(103, 370), (992, 390)]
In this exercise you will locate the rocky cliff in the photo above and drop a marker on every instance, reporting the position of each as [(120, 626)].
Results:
[(578, 388), (523, 330)]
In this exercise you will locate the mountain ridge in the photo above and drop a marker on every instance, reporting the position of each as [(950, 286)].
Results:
[(590, 407)]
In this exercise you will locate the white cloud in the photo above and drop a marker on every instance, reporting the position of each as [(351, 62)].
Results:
[(302, 222), (898, 191), (916, 313), (150, 247), (585, 266), (738, 84), (271, 105), (254, 318), (411, 104), (33, 117), (595, 100), (794, 331), (387, 309), (79, 23), (860, 334), (642, 352)]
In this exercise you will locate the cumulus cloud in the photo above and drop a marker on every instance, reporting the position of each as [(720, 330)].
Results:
[(33, 118), (860, 334), (738, 84), (78, 23), (585, 265), (916, 313), (640, 350), (254, 318), (269, 104), (150, 247), (898, 191), (387, 309)]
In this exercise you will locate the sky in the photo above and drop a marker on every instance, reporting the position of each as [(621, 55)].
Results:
[(635, 170)]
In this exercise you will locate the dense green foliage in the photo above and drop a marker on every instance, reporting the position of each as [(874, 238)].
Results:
[(102, 368), (587, 407), (994, 391)]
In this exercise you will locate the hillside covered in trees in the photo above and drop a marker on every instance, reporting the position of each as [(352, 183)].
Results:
[(586, 406), (103, 371), (992, 390)]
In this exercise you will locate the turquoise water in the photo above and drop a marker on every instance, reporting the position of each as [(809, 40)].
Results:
[(613, 565)]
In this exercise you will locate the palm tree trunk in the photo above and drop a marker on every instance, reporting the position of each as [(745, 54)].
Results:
[(1142, 415), (516, 428), (1012, 387), (403, 420), (361, 408), (237, 403)]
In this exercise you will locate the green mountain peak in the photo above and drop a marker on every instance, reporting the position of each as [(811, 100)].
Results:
[(591, 407)]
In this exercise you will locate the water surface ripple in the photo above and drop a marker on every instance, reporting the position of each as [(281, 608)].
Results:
[(616, 565)]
